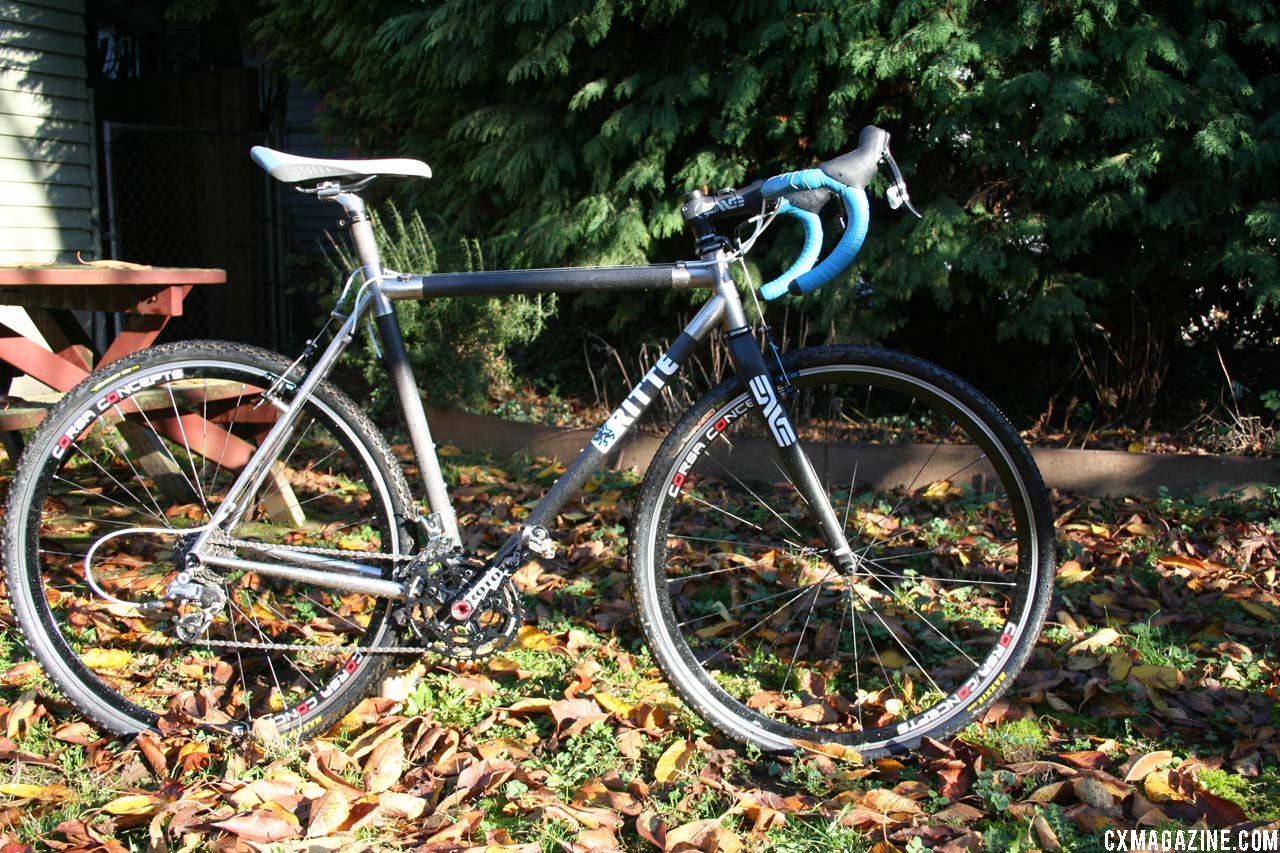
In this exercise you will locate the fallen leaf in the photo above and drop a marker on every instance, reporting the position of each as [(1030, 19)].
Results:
[(384, 765), (1044, 834), (887, 802), (132, 804), (1099, 639), (1158, 677), (23, 790), (265, 825), (831, 750), (99, 659), (1147, 764), (328, 812), (1159, 788), (1071, 572), (537, 640), (614, 705), (1092, 792), (704, 835), (673, 762), (402, 806), (1258, 610), (652, 828)]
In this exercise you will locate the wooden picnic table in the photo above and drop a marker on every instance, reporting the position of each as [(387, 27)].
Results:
[(148, 297)]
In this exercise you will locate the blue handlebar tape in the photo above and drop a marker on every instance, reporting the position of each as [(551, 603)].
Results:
[(808, 255), (856, 209)]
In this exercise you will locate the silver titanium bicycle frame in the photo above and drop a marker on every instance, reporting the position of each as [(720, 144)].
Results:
[(375, 298)]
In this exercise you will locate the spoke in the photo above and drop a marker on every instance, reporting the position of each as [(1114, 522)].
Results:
[(335, 614), (136, 475), (118, 577), (801, 591), (186, 446), (844, 525), (262, 636), (682, 578), (802, 552), (160, 440), (976, 581), (235, 638), (900, 643), (311, 466), (786, 679), (795, 545), (875, 650), (77, 487), (769, 616), (92, 519), (204, 433), (230, 428), (759, 499), (903, 600), (857, 668)]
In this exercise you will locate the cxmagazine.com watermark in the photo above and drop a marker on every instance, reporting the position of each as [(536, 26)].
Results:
[(1191, 840)]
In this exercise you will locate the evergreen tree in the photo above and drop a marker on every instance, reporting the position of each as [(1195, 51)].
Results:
[(1081, 165)]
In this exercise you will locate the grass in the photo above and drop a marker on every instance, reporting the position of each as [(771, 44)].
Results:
[(1171, 616), (1014, 741)]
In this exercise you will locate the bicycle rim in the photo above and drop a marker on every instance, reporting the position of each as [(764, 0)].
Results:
[(946, 517), (130, 469)]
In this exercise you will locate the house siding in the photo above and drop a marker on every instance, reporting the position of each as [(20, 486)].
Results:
[(47, 158)]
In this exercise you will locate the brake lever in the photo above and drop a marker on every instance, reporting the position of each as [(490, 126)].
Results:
[(897, 194)]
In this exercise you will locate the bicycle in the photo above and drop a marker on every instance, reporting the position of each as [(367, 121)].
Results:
[(834, 545)]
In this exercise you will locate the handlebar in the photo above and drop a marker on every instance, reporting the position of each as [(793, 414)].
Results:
[(801, 194), (802, 277)]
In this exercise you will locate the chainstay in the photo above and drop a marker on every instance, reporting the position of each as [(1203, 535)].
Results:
[(323, 552), (406, 559)]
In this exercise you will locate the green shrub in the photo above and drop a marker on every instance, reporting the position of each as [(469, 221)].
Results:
[(457, 346)]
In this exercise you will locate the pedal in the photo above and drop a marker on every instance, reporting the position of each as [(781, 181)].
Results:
[(539, 541)]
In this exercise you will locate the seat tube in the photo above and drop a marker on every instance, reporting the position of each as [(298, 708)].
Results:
[(395, 359)]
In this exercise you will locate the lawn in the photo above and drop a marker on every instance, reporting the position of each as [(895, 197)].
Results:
[(1150, 702)]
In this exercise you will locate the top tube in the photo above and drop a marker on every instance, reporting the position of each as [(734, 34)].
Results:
[(679, 276)]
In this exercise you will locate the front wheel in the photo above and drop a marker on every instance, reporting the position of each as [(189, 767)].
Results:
[(765, 637)]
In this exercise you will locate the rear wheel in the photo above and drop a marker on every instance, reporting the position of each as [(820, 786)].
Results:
[(126, 470), (943, 508)]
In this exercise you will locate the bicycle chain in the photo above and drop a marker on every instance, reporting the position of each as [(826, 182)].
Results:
[(248, 645), (308, 647)]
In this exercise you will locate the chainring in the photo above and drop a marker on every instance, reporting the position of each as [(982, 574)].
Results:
[(424, 615)]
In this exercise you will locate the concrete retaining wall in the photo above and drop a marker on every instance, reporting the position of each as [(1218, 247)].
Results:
[(1092, 472)]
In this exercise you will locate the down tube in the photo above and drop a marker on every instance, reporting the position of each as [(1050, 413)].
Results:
[(623, 418)]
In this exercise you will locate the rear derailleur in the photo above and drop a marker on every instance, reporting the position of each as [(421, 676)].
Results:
[(195, 596)]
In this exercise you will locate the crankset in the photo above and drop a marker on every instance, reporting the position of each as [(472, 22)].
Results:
[(430, 614)]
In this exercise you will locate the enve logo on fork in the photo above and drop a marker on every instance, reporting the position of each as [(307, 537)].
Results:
[(762, 390)]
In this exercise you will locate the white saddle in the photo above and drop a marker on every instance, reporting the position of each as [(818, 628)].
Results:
[(291, 168)]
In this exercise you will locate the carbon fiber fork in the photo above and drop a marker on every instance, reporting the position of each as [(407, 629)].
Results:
[(771, 409)]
